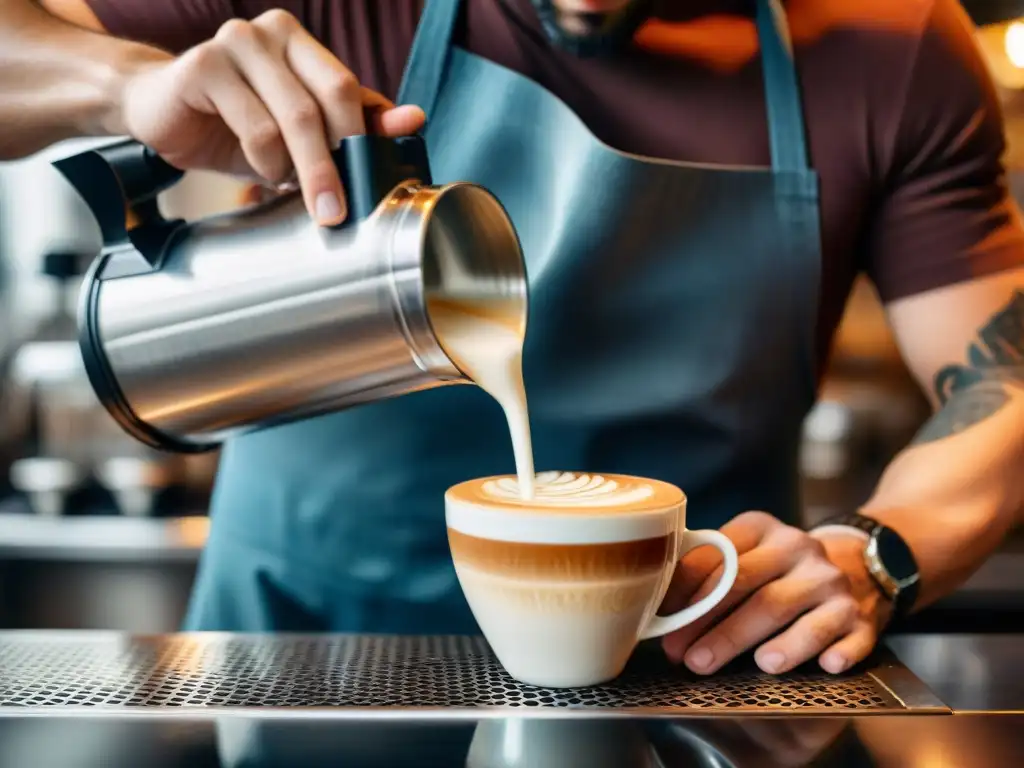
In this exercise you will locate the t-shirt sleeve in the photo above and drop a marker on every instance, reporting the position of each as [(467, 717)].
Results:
[(174, 25), (945, 213), (372, 37)]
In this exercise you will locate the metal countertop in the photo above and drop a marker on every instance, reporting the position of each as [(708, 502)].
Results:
[(399, 678), (430, 677), (969, 673), (89, 538)]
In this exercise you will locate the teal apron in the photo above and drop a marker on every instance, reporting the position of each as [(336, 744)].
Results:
[(671, 335)]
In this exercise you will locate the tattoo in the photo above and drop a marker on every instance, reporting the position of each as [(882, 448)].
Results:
[(969, 394)]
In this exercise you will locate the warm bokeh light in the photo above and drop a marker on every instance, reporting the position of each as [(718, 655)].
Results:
[(191, 531), (1013, 41)]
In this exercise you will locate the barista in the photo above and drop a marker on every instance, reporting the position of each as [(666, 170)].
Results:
[(696, 185)]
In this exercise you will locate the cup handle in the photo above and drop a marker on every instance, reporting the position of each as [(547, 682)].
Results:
[(662, 625)]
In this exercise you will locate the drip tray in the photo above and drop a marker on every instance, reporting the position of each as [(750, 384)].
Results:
[(60, 673)]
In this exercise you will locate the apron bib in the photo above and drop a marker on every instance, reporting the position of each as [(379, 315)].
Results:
[(671, 335)]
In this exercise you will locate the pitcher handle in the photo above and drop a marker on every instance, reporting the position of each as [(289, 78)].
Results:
[(662, 625)]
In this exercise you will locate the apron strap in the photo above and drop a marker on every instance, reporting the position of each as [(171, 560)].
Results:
[(786, 134), (424, 70)]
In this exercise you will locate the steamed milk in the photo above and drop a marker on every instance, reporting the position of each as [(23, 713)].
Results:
[(490, 352), (487, 347)]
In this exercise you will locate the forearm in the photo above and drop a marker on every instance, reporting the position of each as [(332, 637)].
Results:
[(958, 488), (58, 81)]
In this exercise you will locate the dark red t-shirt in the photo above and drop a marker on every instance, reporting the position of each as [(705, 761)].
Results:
[(904, 124)]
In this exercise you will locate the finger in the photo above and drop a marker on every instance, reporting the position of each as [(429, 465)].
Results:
[(399, 121), (385, 118), (258, 134), (345, 103), (810, 635), (375, 100), (850, 650), (749, 529), (349, 109), (702, 566), (297, 115), (755, 569), (785, 547), (766, 612), (335, 88), (690, 574)]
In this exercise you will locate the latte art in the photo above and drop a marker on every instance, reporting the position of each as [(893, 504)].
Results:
[(569, 489), (566, 508)]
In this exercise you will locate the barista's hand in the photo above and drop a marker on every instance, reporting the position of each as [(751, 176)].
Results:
[(806, 597), (264, 98)]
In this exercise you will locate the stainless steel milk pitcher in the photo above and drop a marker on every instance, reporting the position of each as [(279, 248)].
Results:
[(194, 332)]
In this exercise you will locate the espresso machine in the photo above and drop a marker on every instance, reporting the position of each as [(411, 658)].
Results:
[(61, 455), (193, 332), (72, 457)]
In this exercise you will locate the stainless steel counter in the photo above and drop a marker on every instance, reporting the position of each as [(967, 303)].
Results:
[(102, 539), (428, 678), (970, 673), (979, 675), (97, 572)]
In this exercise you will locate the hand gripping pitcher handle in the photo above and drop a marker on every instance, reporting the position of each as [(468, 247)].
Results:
[(128, 176), (663, 625)]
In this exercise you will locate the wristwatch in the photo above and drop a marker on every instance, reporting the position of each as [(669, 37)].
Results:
[(888, 559)]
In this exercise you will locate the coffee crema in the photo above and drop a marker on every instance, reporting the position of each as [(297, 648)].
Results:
[(569, 493), (558, 562)]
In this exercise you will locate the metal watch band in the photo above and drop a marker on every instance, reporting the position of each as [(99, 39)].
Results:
[(887, 557)]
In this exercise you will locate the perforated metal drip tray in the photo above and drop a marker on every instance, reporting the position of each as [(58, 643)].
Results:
[(387, 676)]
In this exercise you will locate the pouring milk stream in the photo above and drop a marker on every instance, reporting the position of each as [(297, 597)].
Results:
[(484, 346), (491, 354)]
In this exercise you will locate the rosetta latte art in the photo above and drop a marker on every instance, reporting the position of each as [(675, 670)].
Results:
[(569, 489)]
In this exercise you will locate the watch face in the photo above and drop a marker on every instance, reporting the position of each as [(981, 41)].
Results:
[(895, 555)]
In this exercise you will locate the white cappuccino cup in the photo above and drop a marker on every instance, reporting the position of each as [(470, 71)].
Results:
[(565, 584)]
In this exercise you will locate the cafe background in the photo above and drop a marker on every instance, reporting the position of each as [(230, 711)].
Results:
[(99, 532)]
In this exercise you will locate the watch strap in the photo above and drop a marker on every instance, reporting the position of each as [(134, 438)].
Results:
[(887, 557), (862, 523)]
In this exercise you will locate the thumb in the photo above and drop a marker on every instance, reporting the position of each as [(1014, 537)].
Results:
[(397, 121), (383, 117)]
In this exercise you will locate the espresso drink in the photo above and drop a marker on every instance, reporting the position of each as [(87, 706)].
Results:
[(489, 350), (583, 543), (564, 584)]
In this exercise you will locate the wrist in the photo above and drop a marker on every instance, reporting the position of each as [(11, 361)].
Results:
[(884, 556), (829, 531), (123, 62), (845, 550)]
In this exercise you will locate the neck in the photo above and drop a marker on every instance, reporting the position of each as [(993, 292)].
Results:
[(592, 34), (596, 34)]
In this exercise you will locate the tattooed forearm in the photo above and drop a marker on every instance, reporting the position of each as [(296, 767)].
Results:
[(971, 393)]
